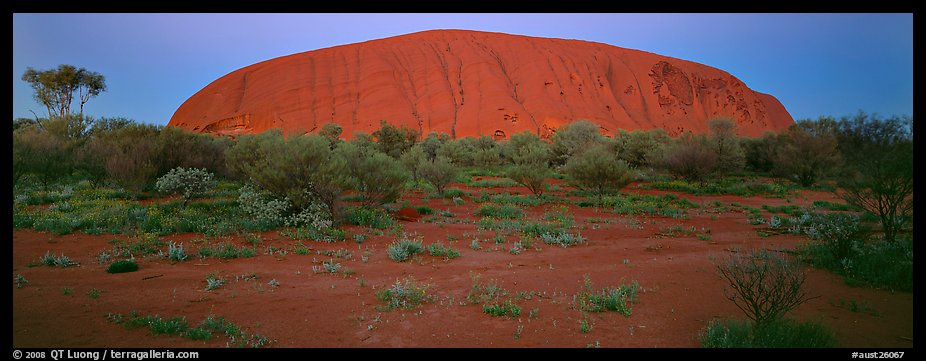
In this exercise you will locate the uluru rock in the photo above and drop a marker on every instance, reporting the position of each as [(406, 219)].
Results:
[(469, 83)]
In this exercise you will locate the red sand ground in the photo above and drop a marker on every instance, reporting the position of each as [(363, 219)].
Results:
[(681, 290), (471, 83)]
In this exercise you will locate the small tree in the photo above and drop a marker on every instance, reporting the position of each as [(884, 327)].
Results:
[(412, 159), (765, 286), (878, 154), (805, 157), (690, 158), (438, 173), (530, 157), (56, 88), (760, 153), (188, 182), (433, 143), (599, 170), (459, 151), (725, 144), (531, 166), (332, 132), (574, 138), (378, 177), (39, 153), (394, 141), (301, 168), (641, 148)]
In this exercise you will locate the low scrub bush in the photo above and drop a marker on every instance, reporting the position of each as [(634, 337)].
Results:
[(782, 333), (122, 266), (404, 248), (619, 299), (405, 294)]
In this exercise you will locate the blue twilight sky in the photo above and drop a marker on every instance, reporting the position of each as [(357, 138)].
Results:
[(815, 64)]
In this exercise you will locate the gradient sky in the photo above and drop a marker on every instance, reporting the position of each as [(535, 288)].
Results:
[(815, 64)]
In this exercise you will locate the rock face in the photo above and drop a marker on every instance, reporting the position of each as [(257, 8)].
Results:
[(468, 83)]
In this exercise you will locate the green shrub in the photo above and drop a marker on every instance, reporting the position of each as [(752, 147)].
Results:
[(530, 161), (225, 251), (575, 138), (374, 218), (885, 265), (562, 238), (403, 294), (781, 333), (301, 169), (176, 253), (507, 309), (439, 173), (393, 141), (122, 266), (404, 248), (424, 210), (500, 211), (607, 299), (599, 170), (377, 177), (438, 249)]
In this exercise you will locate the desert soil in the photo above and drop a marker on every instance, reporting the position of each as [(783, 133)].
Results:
[(681, 291)]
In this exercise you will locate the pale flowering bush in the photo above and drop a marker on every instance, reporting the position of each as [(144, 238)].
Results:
[(262, 206), (188, 182), (273, 212)]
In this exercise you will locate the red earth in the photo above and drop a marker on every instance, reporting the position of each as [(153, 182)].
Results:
[(681, 291), (471, 83)]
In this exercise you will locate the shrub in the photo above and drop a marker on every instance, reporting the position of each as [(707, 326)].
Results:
[(782, 333), (42, 154), (412, 159), (438, 249), (562, 238), (879, 175), (641, 148), (839, 232), (394, 141), (723, 140), (122, 266), (176, 253), (597, 169), (189, 183), (885, 265), (507, 309), (763, 285), (133, 163), (438, 173), (530, 157), (574, 138), (401, 250), (378, 177), (213, 282), (331, 132), (459, 151), (804, 157), (690, 158), (262, 207), (404, 295), (500, 211), (607, 299), (760, 153), (375, 218), (300, 168), (20, 281)]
